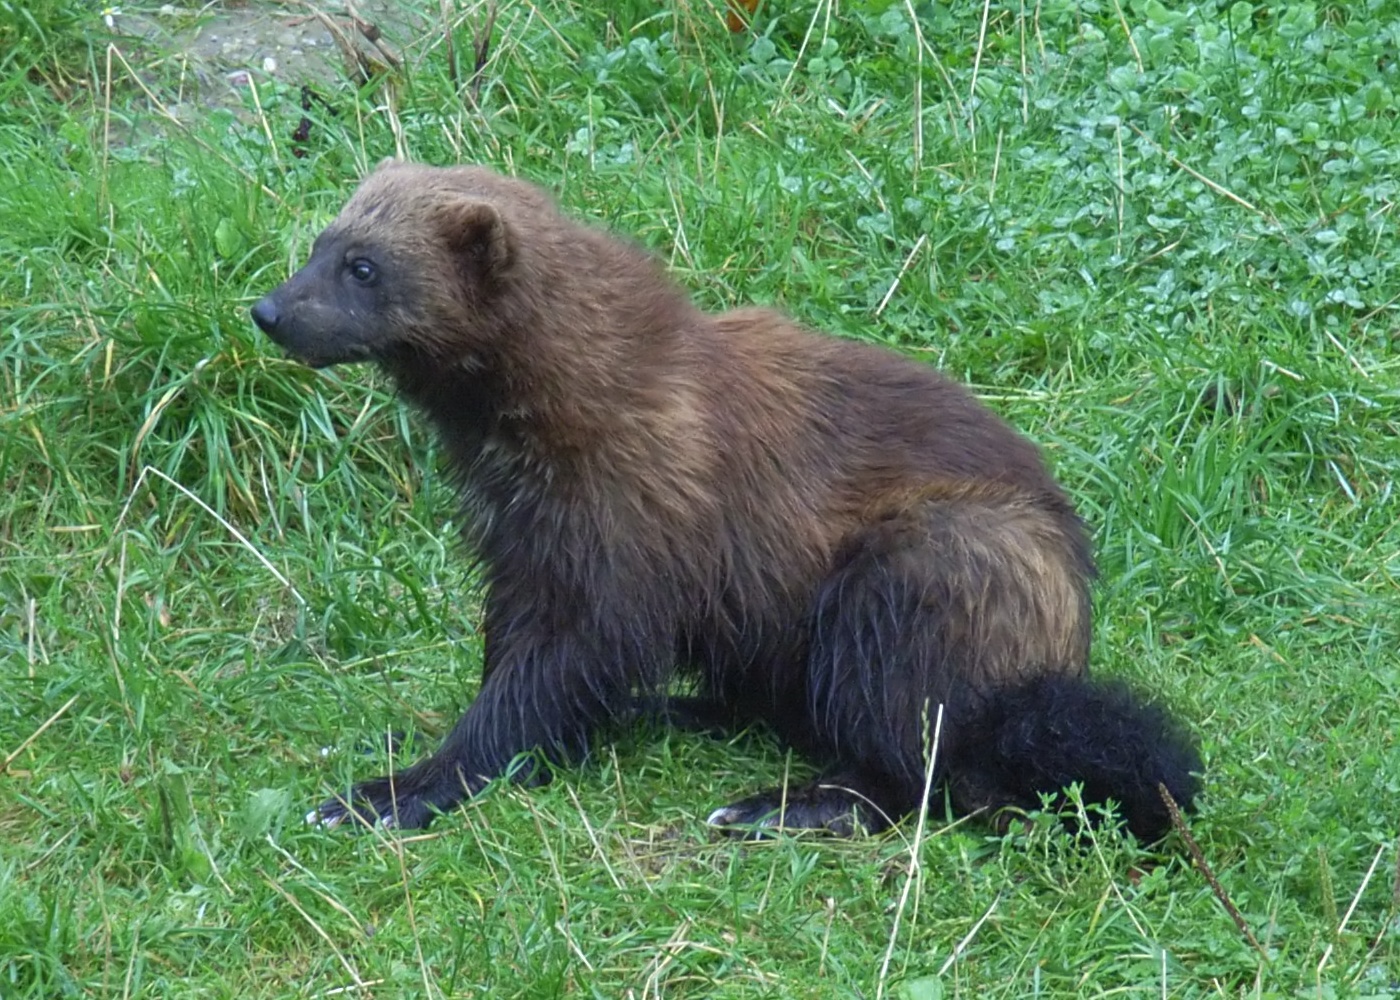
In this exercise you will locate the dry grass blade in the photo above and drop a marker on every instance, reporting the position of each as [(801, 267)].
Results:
[(915, 848), (311, 922), (10, 759), (1346, 918)]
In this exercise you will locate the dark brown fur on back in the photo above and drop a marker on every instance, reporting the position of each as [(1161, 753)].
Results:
[(821, 534)]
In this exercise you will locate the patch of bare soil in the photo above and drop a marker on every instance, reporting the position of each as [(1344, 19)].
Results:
[(214, 51)]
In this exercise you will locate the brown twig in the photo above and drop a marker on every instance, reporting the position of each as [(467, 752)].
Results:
[(481, 49), (355, 62), (371, 33), (1199, 859), (452, 69)]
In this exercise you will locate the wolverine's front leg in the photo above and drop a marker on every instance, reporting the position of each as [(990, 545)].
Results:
[(551, 681)]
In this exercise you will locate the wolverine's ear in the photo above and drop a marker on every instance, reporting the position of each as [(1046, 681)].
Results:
[(480, 236)]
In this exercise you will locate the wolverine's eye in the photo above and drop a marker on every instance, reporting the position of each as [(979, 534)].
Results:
[(362, 270)]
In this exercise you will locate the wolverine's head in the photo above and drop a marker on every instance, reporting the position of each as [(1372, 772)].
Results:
[(405, 269)]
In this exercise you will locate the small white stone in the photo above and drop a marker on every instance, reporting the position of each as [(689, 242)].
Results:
[(269, 65)]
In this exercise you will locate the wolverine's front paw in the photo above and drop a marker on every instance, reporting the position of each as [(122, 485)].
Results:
[(408, 800)]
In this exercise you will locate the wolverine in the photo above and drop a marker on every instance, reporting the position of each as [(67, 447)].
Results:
[(720, 520)]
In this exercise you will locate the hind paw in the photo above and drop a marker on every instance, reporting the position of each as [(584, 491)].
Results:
[(823, 806)]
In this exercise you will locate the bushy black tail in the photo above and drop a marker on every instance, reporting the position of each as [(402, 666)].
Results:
[(1052, 731)]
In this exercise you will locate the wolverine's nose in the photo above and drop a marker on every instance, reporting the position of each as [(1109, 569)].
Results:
[(265, 315)]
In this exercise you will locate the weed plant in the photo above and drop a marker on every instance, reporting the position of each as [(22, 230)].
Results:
[(1161, 239)]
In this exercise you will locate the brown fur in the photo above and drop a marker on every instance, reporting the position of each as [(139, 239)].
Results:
[(820, 533)]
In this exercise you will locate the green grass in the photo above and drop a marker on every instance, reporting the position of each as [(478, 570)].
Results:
[(1162, 240)]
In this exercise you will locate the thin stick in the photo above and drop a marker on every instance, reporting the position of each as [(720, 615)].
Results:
[(1199, 859), (355, 63), (370, 32)]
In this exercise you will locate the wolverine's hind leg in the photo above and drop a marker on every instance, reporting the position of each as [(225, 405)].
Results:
[(956, 591), (843, 801)]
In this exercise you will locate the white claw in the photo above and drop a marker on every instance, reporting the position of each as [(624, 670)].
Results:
[(723, 816), (315, 818)]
